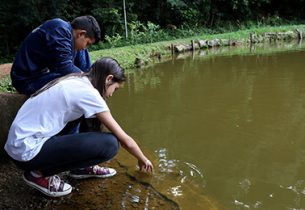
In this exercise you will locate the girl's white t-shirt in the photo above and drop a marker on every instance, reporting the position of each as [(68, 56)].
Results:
[(46, 114)]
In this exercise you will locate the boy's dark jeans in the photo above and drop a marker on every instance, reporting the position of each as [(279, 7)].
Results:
[(30, 86)]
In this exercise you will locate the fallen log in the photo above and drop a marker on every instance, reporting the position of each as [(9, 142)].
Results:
[(274, 36), (300, 34), (182, 48), (225, 42), (253, 38), (214, 43), (202, 43)]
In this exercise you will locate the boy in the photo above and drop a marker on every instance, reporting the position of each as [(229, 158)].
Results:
[(54, 49)]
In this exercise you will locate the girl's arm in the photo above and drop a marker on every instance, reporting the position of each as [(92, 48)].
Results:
[(126, 141)]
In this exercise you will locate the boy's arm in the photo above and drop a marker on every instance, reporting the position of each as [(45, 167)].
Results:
[(82, 60), (61, 51)]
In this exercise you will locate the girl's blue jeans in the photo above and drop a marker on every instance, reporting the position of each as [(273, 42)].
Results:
[(66, 152)]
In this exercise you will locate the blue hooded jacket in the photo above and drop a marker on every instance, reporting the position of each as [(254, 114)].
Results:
[(47, 53)]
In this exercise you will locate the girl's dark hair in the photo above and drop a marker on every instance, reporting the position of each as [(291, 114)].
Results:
[(89, 24), (101, 69)]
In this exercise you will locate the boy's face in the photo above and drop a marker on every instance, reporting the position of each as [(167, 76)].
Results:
[(81, 41)]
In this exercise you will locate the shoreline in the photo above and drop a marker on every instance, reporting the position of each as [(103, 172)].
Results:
[(122, 191), (118, 192), (143, 55)]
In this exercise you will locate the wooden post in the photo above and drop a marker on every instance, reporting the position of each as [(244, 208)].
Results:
[(251, 38), (193, 45), (125, 19), (300, 35), (172, 49)]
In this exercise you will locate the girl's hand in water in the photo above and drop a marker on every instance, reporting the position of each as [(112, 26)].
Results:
[(146, 166)]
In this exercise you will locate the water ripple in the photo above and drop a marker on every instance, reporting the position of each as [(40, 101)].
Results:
[(177, 174)]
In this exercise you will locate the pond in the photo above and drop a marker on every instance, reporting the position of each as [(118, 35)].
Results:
[(225, 129)]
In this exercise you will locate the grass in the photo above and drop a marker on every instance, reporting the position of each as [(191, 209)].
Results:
[(5, 85), (126, 56)]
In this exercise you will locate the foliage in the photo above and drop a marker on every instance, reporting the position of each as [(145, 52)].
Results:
[(147, 20), (5, 85), (114, 41), (109, 17), (144, 51)]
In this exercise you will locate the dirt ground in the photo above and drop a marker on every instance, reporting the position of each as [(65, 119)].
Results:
[(118, 192), (5, 69)]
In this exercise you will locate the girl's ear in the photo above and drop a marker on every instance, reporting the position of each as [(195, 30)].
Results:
[(109, 79)]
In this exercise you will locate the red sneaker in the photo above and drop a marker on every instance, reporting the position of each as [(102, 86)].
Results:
[(51, 186)]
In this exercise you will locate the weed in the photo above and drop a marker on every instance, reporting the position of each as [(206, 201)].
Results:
[(6, 85)]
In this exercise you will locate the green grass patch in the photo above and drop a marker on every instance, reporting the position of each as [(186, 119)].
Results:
[(127, 55), (5, 85)]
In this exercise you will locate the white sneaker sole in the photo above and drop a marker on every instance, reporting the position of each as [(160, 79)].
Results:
[(46, 191), (76, 176)]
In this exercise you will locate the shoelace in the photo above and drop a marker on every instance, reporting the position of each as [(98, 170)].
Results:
[(96, 170), (54, 183)]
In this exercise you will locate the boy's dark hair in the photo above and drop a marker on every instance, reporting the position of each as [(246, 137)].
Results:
[(89, 24)]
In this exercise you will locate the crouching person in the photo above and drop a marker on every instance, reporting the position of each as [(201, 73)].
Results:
[(38, 146)]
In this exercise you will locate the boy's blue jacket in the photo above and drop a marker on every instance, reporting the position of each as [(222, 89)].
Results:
[(48, 51)]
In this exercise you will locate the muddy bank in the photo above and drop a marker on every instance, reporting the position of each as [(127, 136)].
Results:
[(5, 69), (118, 192)]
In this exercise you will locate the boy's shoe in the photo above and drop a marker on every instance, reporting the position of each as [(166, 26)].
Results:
[(92, 171), (51, 186)]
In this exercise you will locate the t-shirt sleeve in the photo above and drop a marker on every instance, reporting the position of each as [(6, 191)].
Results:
[(91, 103)]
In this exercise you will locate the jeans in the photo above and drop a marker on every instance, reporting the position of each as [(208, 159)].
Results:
[(67, 152), (31, 85)]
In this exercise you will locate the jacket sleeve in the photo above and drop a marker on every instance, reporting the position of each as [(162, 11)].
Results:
[(60, 45), (82, 60)]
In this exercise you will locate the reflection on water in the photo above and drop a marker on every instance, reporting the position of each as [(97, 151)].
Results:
[(228, 130), (181, 173), (133, 195)]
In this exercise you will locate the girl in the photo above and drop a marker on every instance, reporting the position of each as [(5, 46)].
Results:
[(35, 141)]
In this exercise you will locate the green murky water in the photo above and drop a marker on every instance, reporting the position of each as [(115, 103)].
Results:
[(225, 128)]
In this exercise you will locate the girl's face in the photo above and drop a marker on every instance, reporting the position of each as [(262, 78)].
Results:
[(111, 86)]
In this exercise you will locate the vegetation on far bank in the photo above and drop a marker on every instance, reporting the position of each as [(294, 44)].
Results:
[(149, 52), (176, 18), (5, 85), (146, 52)]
